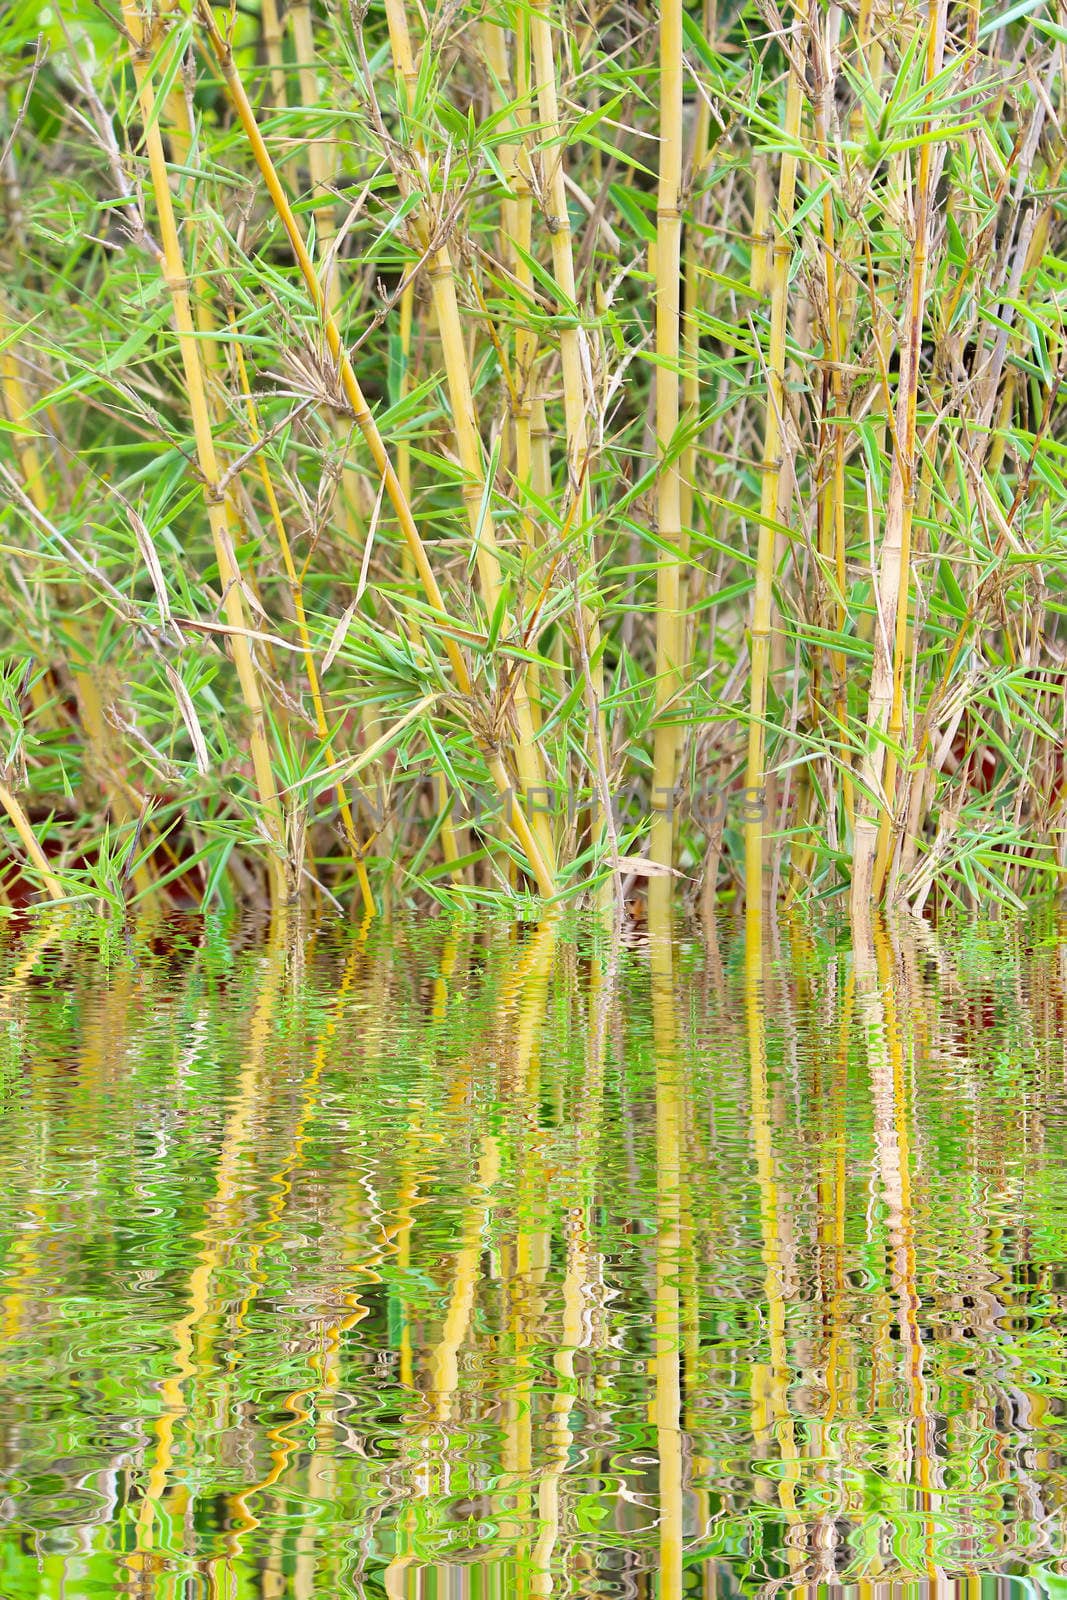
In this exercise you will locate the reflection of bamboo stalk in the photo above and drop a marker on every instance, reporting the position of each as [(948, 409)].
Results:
[(892, 1117), (667, 1338), (558, 1435), (832, 1202), (529, 1257), (280, 1182), (15, 403), (840, 1200), (403, 1556), (175, 1407), (444, 1359), (772, 1423), (16, 983), (534, 1571), (526, 980)]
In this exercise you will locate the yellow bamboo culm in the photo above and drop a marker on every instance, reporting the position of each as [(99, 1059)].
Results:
[(526, 752), (296, 590), (770, 498), (219, 506), (122, 802), (832, 539), (21, 823), (177, 122), (575, 398), (364, 420), (554, 189), (885, 704), (670, 630), (323, 161), (516, 245)]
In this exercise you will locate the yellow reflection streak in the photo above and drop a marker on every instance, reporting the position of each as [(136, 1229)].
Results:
[(280, 1183), (667, 1336), (522, 1010), (892, 1119), (235, 1137), (558, 1435), (772, 1423)]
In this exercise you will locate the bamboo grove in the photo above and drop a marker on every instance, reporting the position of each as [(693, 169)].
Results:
[(515, 449), (394, 1287)]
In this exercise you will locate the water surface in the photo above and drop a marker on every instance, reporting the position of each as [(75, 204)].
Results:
[(463, 1261)]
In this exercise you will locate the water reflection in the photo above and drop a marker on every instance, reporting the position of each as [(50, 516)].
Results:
[(474, 1261)]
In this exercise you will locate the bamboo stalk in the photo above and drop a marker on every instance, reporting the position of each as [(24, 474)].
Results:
[(771, 495), (323, 161), (452, 846), (322, 156), (21, 823), (296, 590), (690, 323), (670, 630), (364, 419), (273, 49), (516, 245), (832, 541), (575, 399), (441, 273), (557, 216), (91, 714), (885, 704), (220, 510)]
